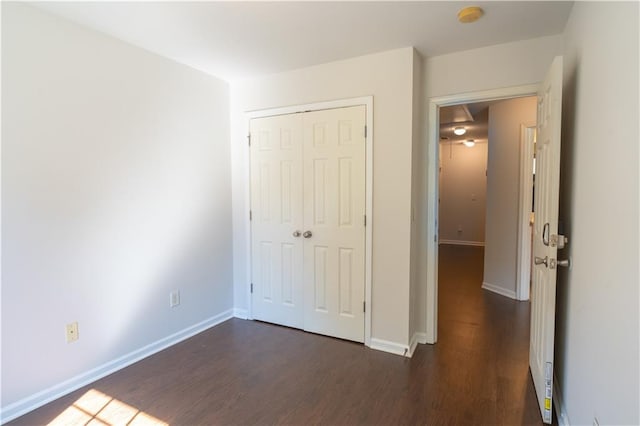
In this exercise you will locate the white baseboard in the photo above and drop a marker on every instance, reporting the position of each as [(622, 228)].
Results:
[(561, 414), (499, 290), (41, 398), (240, 313), (391, 347), (463, 243), (417, 337)]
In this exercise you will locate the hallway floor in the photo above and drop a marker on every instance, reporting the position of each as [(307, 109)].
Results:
[(489, 334), (246, 372)]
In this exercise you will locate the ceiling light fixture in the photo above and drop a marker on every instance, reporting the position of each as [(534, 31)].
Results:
[(469, 143), (470, 14), (459, 131)]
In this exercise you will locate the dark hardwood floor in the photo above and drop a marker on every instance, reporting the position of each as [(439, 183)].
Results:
[(245, 372)]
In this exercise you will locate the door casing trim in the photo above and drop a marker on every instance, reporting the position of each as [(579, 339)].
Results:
[(431, 302), (367, 101)]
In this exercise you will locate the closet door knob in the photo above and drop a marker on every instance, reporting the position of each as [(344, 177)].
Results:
[(307, 234), (296, 233)]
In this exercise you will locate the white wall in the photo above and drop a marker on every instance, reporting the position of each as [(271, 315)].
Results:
[(115, 191), (462, 192), (503, 191), (597, 330), (388, 77), (503, 65)]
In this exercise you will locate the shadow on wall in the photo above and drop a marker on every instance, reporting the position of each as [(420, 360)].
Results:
[(565, 214)]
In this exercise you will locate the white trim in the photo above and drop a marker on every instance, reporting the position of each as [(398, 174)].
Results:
[(390, 347), (499, 290), (413, 343), (463, 243), (417, 337), (315, 106), (433, 151), (432, 186), (422, 337), (240, 313), (247, 220), (41, 398), (523, 265), (367, 101), (561, 414), (368, 261)]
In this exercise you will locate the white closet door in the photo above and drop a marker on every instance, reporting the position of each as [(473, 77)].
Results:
[(334, 208), (276, 204)]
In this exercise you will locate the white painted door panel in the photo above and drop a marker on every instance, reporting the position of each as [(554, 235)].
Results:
[(308, 174), (545, 235), (276, 206), (334, 208)]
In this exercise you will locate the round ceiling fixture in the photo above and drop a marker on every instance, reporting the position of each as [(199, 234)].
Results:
[(469, 143), (470, 14), (459, 131)]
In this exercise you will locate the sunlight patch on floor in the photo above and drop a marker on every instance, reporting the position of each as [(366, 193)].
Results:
[(96, 408)]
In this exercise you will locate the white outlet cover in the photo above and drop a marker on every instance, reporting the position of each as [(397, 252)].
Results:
[(72, 332), (174, 299)]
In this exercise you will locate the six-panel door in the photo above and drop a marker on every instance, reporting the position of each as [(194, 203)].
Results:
[(308, 176), (545, 250), (276, 213), (334, 208)]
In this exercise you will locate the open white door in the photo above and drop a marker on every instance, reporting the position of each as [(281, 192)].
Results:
[(546, 239)]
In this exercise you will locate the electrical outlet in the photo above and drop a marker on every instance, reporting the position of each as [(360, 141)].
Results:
[(72, 332), (459, 228), (174, 299)]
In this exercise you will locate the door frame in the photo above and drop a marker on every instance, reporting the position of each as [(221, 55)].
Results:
[(431, 302), (523, 265), (367, 101)]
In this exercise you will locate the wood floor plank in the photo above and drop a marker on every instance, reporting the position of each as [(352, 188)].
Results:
[(248, 372)]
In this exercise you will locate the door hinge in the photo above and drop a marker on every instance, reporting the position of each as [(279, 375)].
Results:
[(249, 139), (250, 215), (251, 288), (365, 220), (364, 306), (365, 131)]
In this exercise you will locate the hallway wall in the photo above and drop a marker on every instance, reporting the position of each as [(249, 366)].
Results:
[(503, 192), (462, 193)]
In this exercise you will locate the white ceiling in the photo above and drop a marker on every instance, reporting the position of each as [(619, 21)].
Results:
[(235, 40)]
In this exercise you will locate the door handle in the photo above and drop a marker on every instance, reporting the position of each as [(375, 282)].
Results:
[(566, 263), (296, 233), (307, 234), (541, 261)]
